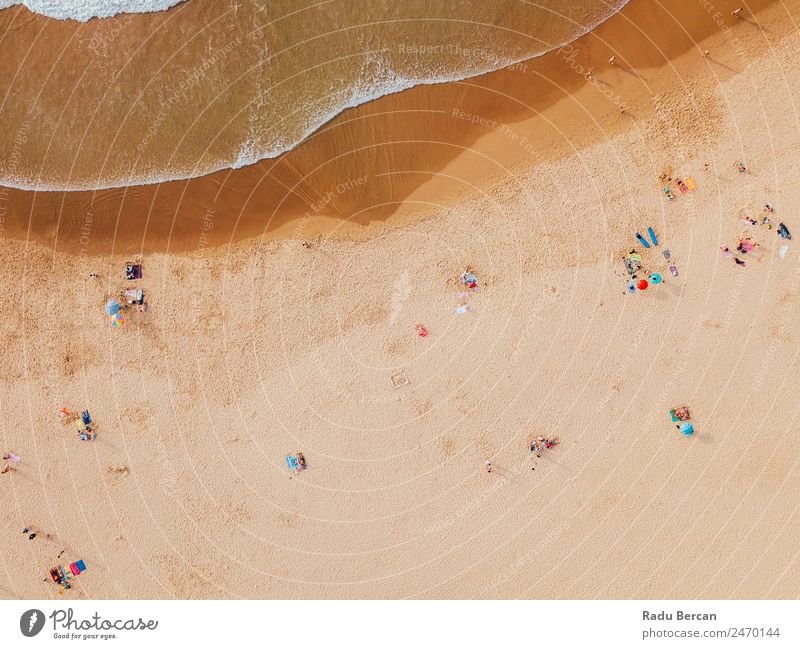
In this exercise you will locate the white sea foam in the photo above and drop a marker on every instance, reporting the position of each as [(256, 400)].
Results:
[(84, 10), (376, 80)]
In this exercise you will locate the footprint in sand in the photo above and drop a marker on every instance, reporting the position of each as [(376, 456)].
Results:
[(397, 347), (137, 414), (447, 446), (288, 520), (423, 407)]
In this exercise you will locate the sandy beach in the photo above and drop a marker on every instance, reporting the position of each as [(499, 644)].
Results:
[(283, 299)]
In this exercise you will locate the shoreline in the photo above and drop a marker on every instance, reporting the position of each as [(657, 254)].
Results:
[(275, 198), (272, 155), (211, 109)]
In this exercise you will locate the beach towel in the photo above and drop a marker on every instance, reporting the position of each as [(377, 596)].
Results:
[(632, 265), (81, 565), (133, 271), (784, 249), (469, 279), (135, 294), (87, 419), (680, 413), (690, 183), (74, 569), (291, 462), (681, 186)]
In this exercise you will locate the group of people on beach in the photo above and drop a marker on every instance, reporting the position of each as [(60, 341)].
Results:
[(543, 443), (537, 445), (745, 246)]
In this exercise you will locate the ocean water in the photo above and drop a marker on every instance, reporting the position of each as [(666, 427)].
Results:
[(142, 98), (84, 10)]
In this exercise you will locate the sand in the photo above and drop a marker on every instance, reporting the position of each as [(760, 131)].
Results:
[(263, 347)]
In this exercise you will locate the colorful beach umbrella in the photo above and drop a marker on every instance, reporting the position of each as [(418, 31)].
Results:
[(117, 320), (112, 307), (642, 285), (655, 278), (686, 428)]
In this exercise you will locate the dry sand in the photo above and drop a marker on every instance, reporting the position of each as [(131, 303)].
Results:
[(264, 347)]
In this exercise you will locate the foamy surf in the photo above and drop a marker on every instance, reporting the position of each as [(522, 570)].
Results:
[(222, 86), (83, 10)]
